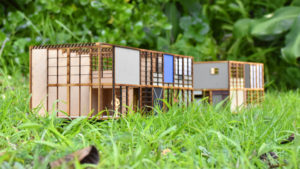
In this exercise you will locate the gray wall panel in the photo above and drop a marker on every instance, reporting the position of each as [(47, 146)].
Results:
[(127, 66), (203, 79)]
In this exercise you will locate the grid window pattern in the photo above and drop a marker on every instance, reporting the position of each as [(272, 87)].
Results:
[(106, 58), (95, 62), (237, 76), (254, 96)]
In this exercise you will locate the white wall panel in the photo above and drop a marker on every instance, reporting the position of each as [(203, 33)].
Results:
[(127, 66), (39, 79)]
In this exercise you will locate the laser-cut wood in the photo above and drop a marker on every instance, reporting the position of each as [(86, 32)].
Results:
[(82, 77)]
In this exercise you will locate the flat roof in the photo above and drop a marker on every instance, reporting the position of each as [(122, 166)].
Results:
[(79, 45), (227, 61)]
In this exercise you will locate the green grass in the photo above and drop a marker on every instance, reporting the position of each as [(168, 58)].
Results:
[(198, 136)]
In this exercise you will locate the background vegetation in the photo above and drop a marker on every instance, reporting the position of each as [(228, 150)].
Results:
[(250, 30)]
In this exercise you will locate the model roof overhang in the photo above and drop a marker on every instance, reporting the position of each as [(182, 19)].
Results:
[(80, 45)]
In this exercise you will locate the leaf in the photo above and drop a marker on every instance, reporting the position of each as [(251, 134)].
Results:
[(2, 37), (74, 123), (66, 28), (277, 23), (173, 16), (291, 51), (30, 125), (242, 27), (185, 22), (47, 143), (166, 132), (193, 6)]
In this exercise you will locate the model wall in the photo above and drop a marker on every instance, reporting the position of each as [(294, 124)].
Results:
[(203, 79), (127, 66), (39, 79)]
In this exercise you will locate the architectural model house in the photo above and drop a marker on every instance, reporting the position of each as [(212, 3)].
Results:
[(242, 83), (77, 79)]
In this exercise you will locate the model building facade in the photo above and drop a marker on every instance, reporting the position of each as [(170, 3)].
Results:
[(78, 79), (242, 83)]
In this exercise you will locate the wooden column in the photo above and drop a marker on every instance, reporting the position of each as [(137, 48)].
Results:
[(127, 99), (80, 51), (68, 81), (113, 73), (121, 101), (57, 88), (30, 75), (99, 76), (90, 78), (47, 100)]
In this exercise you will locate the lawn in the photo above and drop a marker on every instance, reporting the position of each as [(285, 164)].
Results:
[(196, 136)]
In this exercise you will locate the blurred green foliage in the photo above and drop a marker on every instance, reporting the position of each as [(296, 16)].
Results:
[(205, 29)]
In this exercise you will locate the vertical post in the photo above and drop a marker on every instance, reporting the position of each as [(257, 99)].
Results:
[(146, 71), (127, 99), (151, 71), (114, 82), (121, 101), (244, 85), (68, 80), (90, 78), (80, 50), (168, 93), (178, 72), (152, 97), (263, 81), (99, 77), (140, 97), (187, 73), (229, 80), (251, 79), (257, 83), (157, 69), (236, 84), (140, 60), (183, 73), (57, 88), (163, 73), (210, 97), (182, 95), (192, 79), (163, 96), (47, 100), (30, 75), (174, 72)]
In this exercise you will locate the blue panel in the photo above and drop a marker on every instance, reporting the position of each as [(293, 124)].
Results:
[(168, 69)]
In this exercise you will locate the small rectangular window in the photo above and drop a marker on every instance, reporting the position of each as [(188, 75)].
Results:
[(214, 71)]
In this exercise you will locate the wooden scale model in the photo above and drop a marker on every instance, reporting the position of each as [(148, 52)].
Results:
[(84, 79)]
